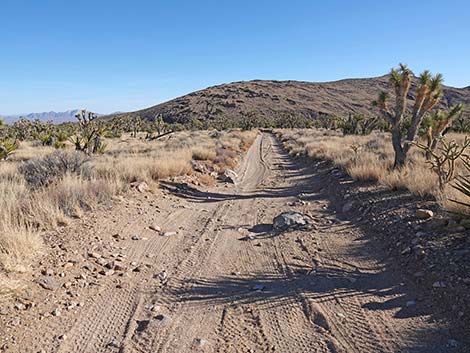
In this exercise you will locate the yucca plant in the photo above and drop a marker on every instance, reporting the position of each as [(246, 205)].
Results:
[(462, 183), (439, 124), (7, 147)]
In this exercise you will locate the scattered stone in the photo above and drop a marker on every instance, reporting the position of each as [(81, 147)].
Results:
[(120, 267), (48, 272), (67, 285), (199, 342), (48, 283), (89, 267), (101, 262), (406, 251), (94, 255), (20, 306), (229, 176), (348, 206), (162, 320), (258, 287), (56, 312), (106, 272), (68, 265), (290, 220), (452, 343), (114, 344), (439, 284), (162, 276), (248, 237), (155, 228), (142, 187), (422, 213)]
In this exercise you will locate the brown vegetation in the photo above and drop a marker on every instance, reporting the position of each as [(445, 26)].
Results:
[(42, 188), (370, 158)]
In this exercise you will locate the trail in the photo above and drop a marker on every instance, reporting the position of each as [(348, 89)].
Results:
[(322, 290)]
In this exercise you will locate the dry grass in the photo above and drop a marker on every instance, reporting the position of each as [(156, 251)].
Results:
[(372, 161), (36, 195)]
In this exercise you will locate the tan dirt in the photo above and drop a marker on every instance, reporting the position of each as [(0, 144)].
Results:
[(326, 289)]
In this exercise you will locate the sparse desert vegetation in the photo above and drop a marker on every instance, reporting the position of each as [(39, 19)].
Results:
[(42, 187), (371, 158)]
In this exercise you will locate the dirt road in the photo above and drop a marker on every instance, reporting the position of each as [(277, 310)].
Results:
[(226, 283)]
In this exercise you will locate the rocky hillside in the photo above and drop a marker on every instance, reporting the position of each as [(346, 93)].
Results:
[(272, 97)]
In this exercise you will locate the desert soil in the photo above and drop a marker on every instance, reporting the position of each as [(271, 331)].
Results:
[(224, 282)]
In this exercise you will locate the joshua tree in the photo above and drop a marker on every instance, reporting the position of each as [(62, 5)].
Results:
[(90, 132), (428, 94), (439, 125)]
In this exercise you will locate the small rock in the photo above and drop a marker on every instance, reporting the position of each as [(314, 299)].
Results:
[(20, 306), (199, 342), (452, 343), (229, 176), (289, 220), (101, 262), (106, 272), (422, 213), (48, 272), (168, 234), (406, 251), (135, 237), (163, 320), (57, 312), (162, 276), (114, 344), (48, 283), (439, 284), (348, 206), (94, 255), (411, 303), (142, 187), (155, 228), (258, 287)]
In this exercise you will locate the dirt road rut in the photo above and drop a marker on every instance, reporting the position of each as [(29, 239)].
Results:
[(227, 283)]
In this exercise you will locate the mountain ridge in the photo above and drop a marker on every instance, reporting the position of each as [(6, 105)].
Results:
[(267, 97)]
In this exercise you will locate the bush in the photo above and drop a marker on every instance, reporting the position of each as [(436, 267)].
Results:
[(40, 172)]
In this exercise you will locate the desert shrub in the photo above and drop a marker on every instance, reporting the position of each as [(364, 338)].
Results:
[(17, 248), (45, 170), (204, 153)]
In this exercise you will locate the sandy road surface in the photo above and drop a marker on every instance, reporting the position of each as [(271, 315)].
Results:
[(321, 290)]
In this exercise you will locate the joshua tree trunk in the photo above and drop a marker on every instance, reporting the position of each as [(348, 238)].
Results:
[(400, 152)]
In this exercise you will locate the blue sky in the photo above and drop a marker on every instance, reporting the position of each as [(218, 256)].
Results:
[(124, 55)]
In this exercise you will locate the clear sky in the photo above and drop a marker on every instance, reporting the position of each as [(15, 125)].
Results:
[(116, 55)]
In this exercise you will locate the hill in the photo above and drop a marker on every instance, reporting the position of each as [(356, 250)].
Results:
[(232, 100)]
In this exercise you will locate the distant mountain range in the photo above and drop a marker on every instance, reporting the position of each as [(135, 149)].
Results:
[(267, 98), (55, 117)]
